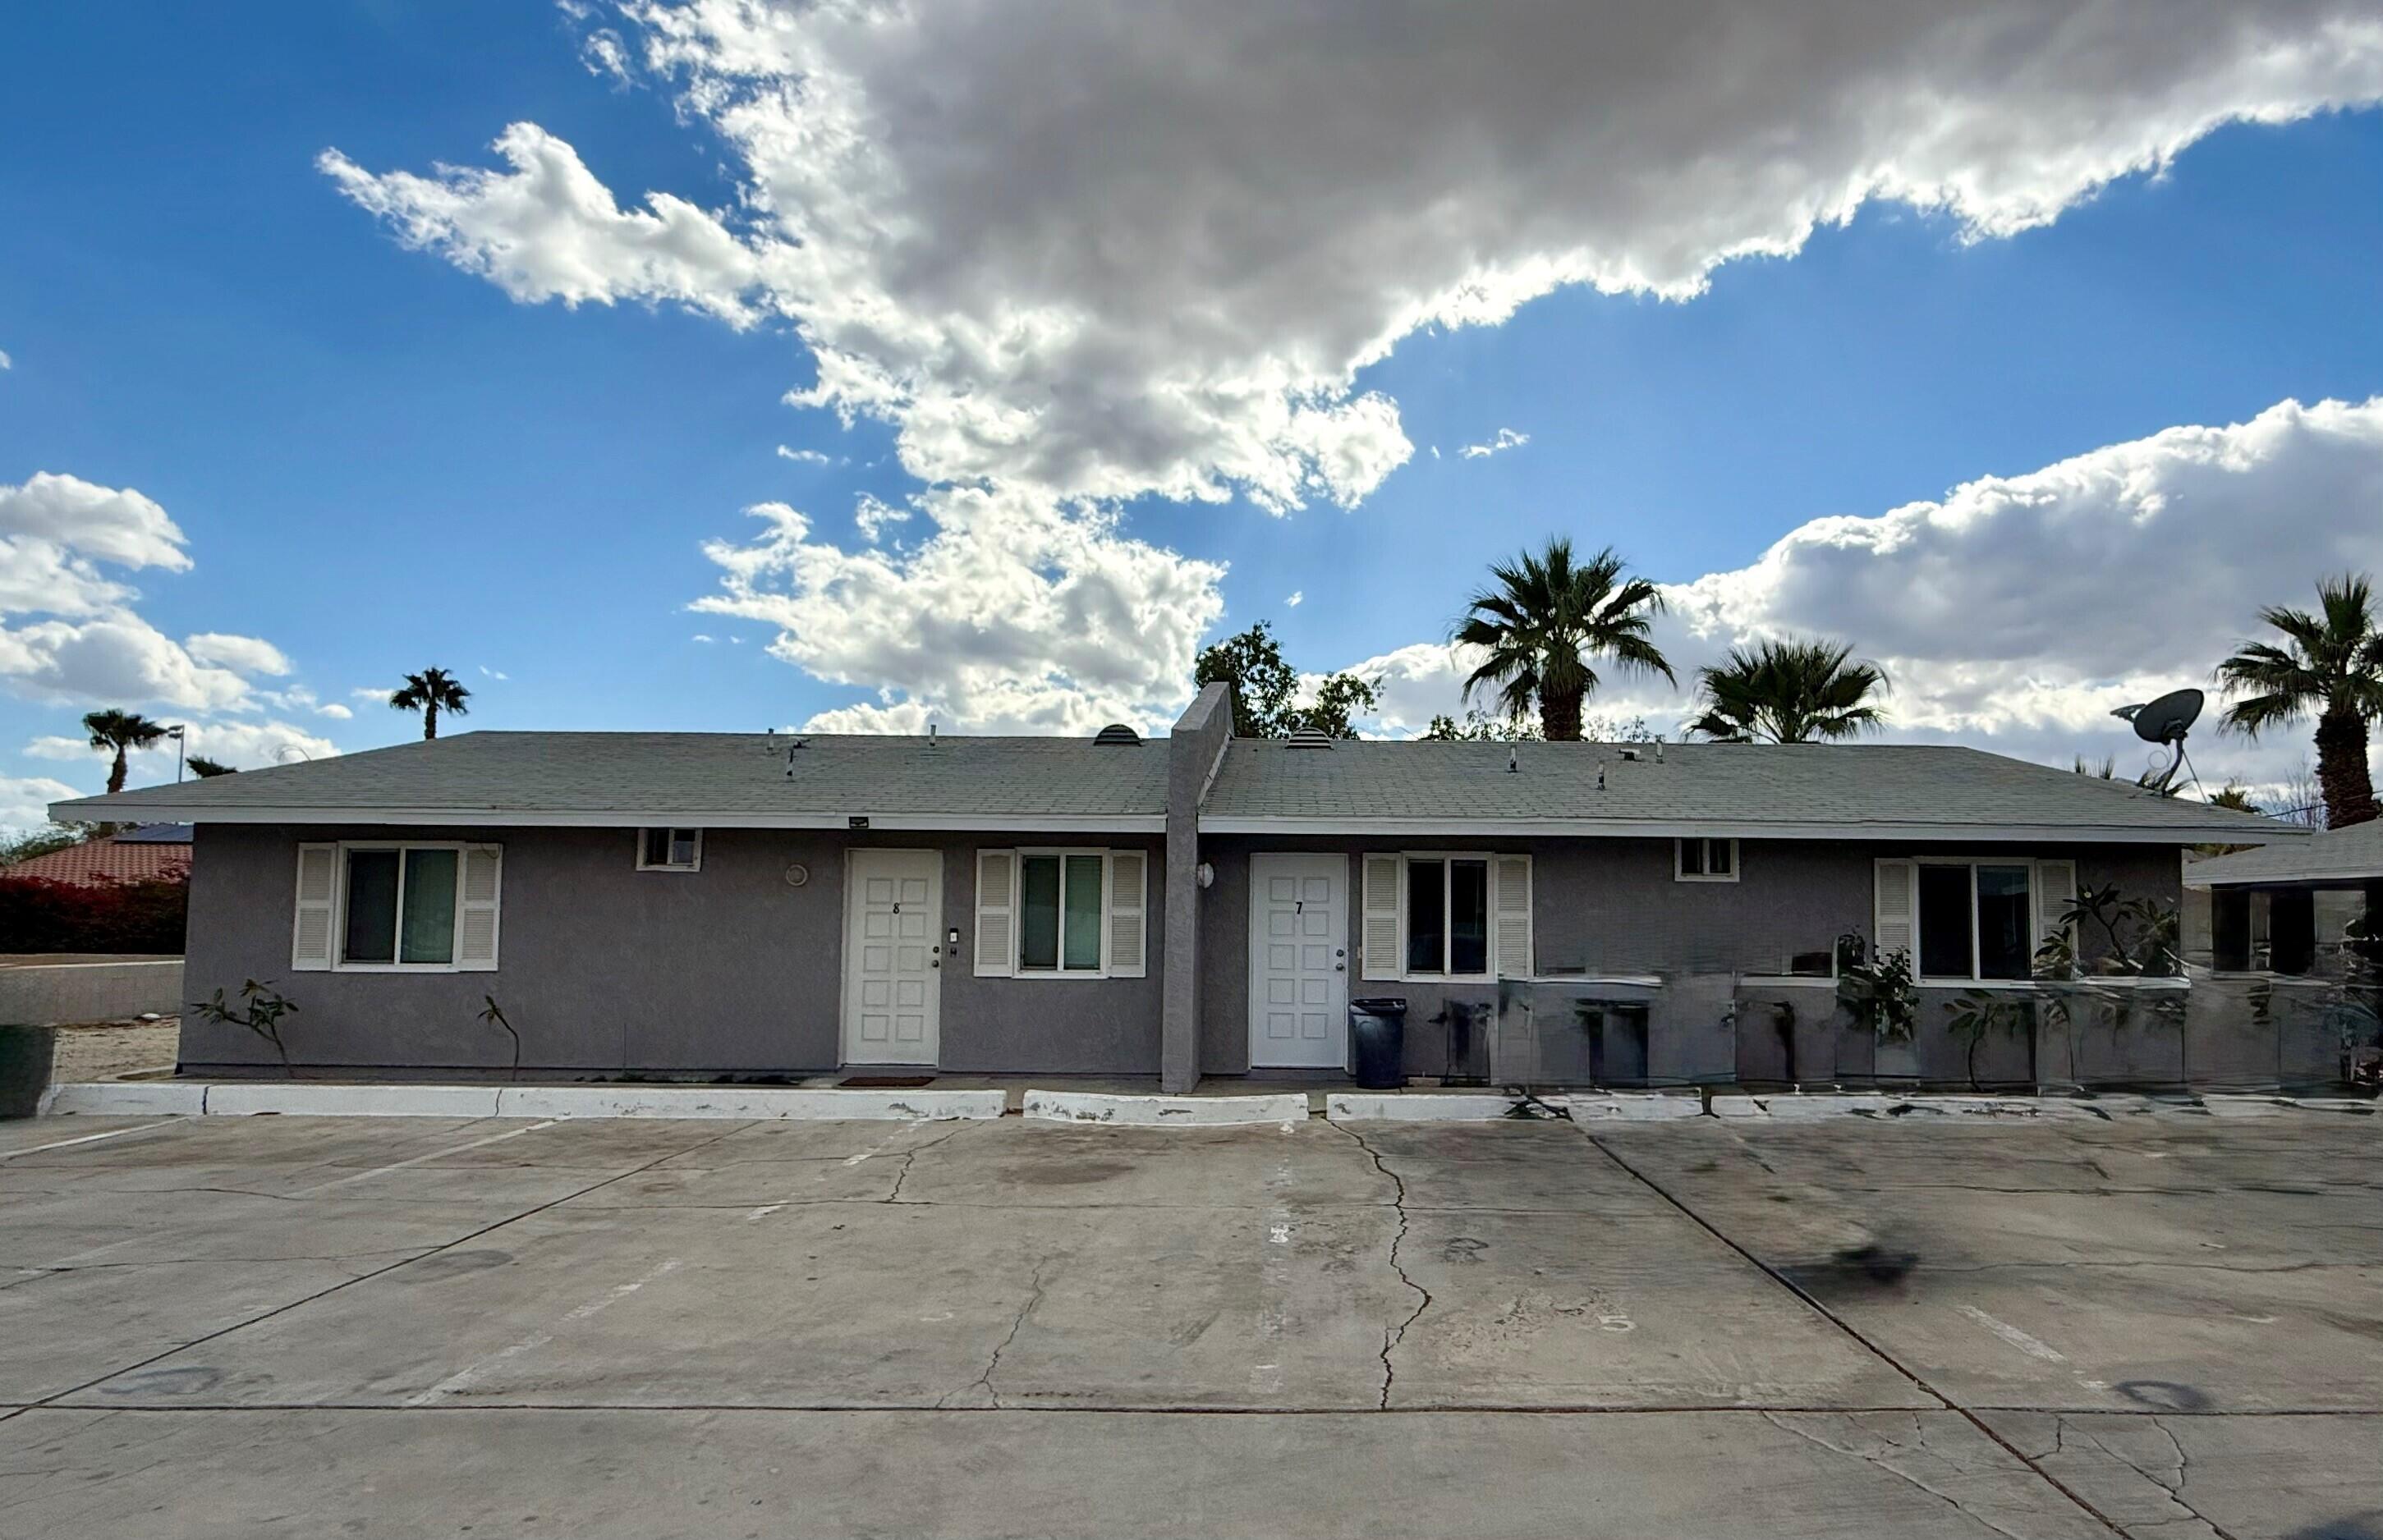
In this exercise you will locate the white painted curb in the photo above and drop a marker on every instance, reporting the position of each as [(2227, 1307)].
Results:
[(1164, 1112), (125, 1099), (743, 1101), (1418, 1106), (251, 1097), (1629, 1109)]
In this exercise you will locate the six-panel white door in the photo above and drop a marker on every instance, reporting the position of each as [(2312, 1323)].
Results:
[(893, 961), (1299, 962)]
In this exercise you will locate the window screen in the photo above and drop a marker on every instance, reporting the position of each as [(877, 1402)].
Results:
[(371, 907)]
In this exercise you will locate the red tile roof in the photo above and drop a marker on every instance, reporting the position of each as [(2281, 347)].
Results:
[(101, 860)]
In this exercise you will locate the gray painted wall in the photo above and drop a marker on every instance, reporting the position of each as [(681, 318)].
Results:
[(1193, 749), (1603, 907), (606, 969)]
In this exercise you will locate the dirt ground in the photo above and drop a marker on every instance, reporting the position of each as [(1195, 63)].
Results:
[(104, 1051)]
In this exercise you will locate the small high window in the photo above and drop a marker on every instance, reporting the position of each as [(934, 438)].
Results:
[(1704, 860), (670, 849)]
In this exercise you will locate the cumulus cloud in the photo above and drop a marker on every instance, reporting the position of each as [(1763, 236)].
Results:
[(2016, 612), (805, 456), (243, 744), (6, 361), (1009, 616), (244, 653), (1163, 279), (334, 710), (1505, 438), (25, 801), (1297, 597)]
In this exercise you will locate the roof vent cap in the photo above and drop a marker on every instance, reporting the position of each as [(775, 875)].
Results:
[(1310, 737), (1114, 733)]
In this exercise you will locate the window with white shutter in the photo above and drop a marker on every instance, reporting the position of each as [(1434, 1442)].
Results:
[(1896, 889), (1510, 915), (2056, 889), (1378, 950), (475, 923), (310, 931), (1128, 906), (996, 908)]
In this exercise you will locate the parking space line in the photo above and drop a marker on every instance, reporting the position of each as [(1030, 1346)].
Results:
[(434, 1155), (90, 1138)]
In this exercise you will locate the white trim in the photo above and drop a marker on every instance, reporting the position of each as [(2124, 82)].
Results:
[(617, 818), (454, 963), (670, 837), (1680, 872), (2036, 833)]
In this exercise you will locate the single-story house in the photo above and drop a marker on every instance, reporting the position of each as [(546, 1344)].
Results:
[(706, 905), (2290, 908), (146, 853)]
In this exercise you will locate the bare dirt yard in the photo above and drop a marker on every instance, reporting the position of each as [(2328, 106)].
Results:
[(2165, 1325), (109, 1049)]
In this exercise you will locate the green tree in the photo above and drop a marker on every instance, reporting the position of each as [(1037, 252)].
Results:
[(44, 840), (116, 732), (1543, 623), (204, 767), (431, 692), (2329, 666), (1480, 727), (1266, 689), (1790, 692)]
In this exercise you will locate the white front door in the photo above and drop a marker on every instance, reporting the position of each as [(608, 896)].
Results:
[(893, 961), (1299, 962)]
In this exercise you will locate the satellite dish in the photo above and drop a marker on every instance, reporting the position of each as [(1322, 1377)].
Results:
[(2165, 722), (2166, 719)]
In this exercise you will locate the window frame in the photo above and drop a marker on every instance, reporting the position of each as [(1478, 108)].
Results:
[(1020, 855), (672, 832), (1680, 872), (1447, 859), (340, 963), (2029, 865)]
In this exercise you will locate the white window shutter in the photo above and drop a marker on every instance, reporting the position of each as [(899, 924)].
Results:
[(996, 934), (476, 915), (1898, 888), (318, 892), (1380, 945), (1510, 915), (2056, 889), (1129, 902)]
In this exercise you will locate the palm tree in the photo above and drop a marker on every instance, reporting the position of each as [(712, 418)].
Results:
[(118, 730), (431, 692), (1790, 692), (2330, 666), (1545, 622), (206, 769)]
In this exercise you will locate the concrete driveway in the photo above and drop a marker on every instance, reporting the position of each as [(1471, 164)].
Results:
[(2169, 1325)]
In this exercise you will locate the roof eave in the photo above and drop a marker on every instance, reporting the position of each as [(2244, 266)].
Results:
[(86, 809), (1737, 828)]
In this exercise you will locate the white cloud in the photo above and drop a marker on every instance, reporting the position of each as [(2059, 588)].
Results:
[(1163, 279), (6, 361), (498, 674), (2016, 611), (1506, 439), (245, 654), (376, 694), (701, 636), (805, 456), (1298, 596), (870, 515), (607, 57), (244, 745), (25, 801), (101, 524), (1008, 616), (334, 710)]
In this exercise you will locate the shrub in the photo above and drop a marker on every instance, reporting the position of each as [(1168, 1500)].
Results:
[(39, 915)]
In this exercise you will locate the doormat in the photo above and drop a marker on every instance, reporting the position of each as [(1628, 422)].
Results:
[(885, 1082)]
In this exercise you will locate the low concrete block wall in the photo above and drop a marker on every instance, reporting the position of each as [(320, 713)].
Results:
[(38, 994)]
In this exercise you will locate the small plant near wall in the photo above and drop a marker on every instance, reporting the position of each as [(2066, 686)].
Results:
[(1879, 990), (494, 1016), (1978, 1015), (2141, 937), (261, 1011)]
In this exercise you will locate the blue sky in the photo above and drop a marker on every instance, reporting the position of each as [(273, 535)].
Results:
[(381, 458)]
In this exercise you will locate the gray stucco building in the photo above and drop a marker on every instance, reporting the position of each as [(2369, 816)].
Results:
[(770, 905)]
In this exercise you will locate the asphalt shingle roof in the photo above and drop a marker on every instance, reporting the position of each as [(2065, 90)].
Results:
[(1739, 785), (741, 775), (2351, 855)]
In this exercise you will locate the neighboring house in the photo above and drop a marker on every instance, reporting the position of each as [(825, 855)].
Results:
[(708, 904), (144, 853), (2289, 908)]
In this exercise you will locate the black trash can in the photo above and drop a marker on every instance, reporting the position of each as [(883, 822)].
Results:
[(1378, 1029)]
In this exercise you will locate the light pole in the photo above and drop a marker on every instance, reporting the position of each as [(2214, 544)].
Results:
[(175, 733)]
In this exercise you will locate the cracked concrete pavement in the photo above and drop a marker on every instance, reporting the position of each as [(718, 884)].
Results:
[(2166, 1325)]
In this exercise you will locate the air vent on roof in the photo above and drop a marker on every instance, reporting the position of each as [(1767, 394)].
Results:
[(1311, 737), (1116, 733)]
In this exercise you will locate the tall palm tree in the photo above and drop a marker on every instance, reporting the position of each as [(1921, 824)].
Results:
[(1790, 692), (431, 692), (207, 769), (2330, 666), (1545, 622), (119, 731)]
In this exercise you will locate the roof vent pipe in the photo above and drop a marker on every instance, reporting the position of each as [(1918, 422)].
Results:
[(1601, 775)]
